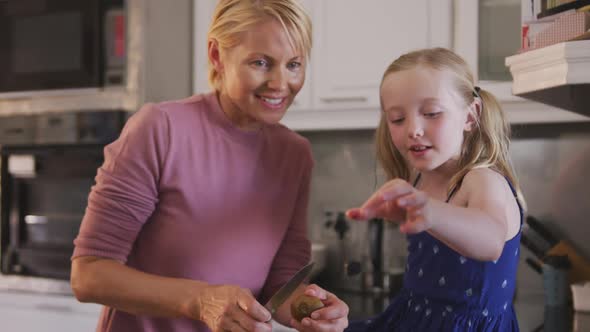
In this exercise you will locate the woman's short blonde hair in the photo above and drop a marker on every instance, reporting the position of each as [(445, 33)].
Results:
[(232, 17)]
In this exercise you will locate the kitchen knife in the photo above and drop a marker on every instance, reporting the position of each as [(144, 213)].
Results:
[(580, 270), (287, 290)]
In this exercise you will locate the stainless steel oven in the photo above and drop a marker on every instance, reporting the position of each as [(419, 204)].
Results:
[(44, 191)]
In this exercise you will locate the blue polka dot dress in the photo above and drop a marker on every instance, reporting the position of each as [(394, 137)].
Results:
[(444, 291)]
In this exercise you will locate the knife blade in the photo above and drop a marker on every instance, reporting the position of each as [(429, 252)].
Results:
[(287, 289)]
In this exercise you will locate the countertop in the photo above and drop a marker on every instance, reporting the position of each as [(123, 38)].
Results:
[(35, 285), (533, 315)]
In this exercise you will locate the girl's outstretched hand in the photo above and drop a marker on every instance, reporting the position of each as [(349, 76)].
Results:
[(398, 201), (383, 203)]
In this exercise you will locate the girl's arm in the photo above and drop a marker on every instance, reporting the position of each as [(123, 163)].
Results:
[(480, 229)]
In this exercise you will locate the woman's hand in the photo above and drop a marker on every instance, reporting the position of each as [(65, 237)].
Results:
[(398, 201), (231, 308), (333, 317)]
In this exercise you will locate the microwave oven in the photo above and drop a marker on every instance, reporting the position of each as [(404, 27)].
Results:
[(50, 45)]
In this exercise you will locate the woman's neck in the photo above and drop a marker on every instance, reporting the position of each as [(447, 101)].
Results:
[(237, 116)]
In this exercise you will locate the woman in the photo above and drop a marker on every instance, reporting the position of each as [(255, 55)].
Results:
[(198, 214)]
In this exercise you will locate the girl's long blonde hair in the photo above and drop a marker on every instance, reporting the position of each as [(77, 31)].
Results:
[(485, 146), (233, 17)]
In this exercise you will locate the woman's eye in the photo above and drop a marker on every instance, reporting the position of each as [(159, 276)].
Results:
[(397, 121), (294, 65), (260, 63)]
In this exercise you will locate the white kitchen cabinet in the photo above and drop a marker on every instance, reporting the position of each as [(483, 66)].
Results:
[(30, 312), (485, 33), (354, 41)]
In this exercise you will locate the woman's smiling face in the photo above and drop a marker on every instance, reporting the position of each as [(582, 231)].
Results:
[(260, 76), (425, 116)]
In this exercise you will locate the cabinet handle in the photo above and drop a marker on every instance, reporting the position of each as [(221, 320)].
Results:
[(35, 220), (53, 307), (344, 99)]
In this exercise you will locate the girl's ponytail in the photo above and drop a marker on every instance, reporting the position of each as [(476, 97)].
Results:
[(488, 145)]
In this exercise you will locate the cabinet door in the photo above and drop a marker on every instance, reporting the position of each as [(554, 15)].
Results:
[(486, 32), (203, 13), (356, 40)]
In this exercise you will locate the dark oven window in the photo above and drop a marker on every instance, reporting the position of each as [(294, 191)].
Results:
[(60, 42), (43, 203)]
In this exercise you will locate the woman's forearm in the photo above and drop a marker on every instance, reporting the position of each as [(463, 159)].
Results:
[(115, 285)]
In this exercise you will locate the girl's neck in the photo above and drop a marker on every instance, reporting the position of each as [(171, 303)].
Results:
[(437, 180)]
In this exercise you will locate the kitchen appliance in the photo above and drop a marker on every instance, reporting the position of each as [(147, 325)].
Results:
[(287, 289), (50, 45), (44, 191)]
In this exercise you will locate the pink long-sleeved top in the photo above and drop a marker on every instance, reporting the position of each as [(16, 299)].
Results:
[(183, 193)]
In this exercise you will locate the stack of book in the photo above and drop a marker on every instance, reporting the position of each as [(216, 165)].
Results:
[(548, 22)]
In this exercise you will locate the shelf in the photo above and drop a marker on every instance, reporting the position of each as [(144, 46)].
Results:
[(557, 75), (71, 101)]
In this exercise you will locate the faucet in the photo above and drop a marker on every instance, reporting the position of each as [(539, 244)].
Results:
[(376, 250)]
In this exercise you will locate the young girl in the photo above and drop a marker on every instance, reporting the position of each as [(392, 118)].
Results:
[(199, 211), (443, 143)]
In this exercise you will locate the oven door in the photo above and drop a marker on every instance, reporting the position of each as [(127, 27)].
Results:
[(45, 192), (49, 45)]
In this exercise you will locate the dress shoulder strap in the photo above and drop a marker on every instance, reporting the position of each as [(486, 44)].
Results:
[(450, 194), (520, 209), (417, 180)]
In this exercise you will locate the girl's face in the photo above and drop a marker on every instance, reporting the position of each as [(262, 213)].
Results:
[(260, 76), (425, 116)]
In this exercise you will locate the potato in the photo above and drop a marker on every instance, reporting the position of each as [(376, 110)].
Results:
[(304, 305)]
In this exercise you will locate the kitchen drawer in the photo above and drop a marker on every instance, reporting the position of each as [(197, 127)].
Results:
[(56, 128), (17, 130)]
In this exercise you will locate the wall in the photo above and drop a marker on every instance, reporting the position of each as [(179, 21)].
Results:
[(552, 163), (168, 34)]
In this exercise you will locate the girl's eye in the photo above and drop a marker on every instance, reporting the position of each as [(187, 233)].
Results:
[(432, 115), (397, 121)]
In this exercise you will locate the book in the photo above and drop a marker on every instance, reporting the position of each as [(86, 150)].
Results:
[(566, 27), (561, 8)]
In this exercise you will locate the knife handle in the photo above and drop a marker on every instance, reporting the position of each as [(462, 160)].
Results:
[(542, 230), (528, 243), (534, 265)]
